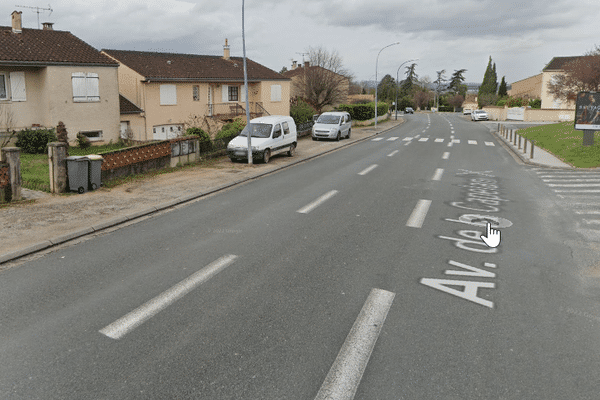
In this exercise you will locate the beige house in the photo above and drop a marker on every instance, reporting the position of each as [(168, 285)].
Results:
[(298, 74), (528, 88), (47, 76), (173, 91), (554, 67)]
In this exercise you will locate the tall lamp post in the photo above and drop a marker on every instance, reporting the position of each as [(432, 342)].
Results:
[(397, 72), (376, 82), (249, 133)]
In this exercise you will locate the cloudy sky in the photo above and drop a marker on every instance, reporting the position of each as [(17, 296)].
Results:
[(520, 36)]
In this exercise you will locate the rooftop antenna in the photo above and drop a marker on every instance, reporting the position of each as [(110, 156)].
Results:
[(38, 10), (303, 54)]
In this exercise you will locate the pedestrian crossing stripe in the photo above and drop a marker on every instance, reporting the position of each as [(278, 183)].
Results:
[(439, 140), (407, 139), (377, 139), (489, 143), (472, 141), (391, 139), (423, 139)]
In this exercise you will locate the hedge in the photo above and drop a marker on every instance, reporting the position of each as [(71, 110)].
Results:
[(364, 112)]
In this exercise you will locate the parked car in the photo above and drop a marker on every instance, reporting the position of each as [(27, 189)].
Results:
[(332, 125), (467, 111), (269, 135), (409, 110), (479, 115)]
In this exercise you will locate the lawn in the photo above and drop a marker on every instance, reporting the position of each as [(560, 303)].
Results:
[(565, 142), (35, 172)]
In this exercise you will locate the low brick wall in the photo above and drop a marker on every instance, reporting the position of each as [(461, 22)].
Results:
[(152, 156)]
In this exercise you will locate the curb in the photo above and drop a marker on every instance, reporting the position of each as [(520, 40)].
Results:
[(169, 204), (523, 157)]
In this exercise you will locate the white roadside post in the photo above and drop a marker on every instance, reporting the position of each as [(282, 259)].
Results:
[(246, 89), (377, 83)]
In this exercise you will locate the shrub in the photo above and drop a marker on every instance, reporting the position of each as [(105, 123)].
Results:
[(363, 112), (301, 112), (516, 102), (35, 141), (230, 130), (83, 141), (204, 138), (501, 102), (535, 103)]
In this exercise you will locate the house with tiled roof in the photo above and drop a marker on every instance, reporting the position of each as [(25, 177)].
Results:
[(301, 75), (555, 67), (173, 89), (47, 76)]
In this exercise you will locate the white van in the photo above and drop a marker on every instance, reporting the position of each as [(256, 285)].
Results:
[(269, 135), (332, 125)]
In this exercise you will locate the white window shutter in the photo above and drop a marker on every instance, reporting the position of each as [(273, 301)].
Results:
[(92, 87), (225, 92), (168, 95), (17, 86), (243, 93), (79, 89), (275, 92)]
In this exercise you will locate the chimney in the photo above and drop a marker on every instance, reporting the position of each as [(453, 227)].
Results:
[(47, 26), (16, 22), (294, 64), (306, 64), (226, 51)]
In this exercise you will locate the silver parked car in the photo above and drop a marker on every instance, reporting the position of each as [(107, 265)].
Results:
[(332, 125), (479, 115)]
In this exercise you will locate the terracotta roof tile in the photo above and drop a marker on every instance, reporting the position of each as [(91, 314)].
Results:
[(38, 46), (557, 63), (127, 107), (191, 67)]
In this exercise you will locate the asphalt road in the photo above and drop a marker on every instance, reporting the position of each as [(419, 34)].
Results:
[(359, 274)]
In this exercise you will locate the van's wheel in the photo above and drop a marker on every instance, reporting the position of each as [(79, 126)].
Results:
[(349, 130), (94, 186), (266, 156), (292, 150), (339, 136), (80, 190)]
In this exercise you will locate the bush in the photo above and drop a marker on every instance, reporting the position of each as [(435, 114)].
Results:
[(83, 141), (535, 103), (446, 109), (230, 130), (501, 102), (35, 141), (301, 112), (204, 138), (516, 102), (363, 112)]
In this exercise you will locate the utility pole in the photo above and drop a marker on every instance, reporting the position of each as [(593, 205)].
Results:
[(249, 131)]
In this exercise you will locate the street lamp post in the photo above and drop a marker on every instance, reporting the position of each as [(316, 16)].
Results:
[(248, 131), (397, 72), (377, 83)]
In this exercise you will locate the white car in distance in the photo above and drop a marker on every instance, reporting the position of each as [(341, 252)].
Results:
[(479, 115)]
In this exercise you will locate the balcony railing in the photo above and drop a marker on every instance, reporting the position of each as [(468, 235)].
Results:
[(228, 111)]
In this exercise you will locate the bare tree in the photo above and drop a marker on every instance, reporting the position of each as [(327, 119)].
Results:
[(580, 74), (325, 81), (7, 125), (422, 98), (456, 101)]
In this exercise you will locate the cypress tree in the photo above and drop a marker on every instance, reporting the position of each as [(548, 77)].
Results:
[(502, 91)]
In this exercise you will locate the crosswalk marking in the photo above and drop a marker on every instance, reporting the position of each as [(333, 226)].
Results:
[(407, 139), (472, 141), (489, 143), (377, 139), (424, 139), (439, 140), (391, 139)]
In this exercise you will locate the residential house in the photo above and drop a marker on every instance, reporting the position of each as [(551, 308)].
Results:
[(298, 74), (555, 67), (47, 76), (174, 89)]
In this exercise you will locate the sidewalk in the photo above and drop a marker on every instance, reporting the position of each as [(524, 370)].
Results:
[(50, 220), (540, 156)]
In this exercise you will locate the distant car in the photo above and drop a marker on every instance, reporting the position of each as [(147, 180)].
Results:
[(332, 125), (479, 115), (409, 110), (467, 111)]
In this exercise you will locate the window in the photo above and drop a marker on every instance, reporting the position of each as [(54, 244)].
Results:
[(275, 93), (93, 135), (233, 93), (196, 94), (3, 91), (286, 128), (85, 87), (168, 95)]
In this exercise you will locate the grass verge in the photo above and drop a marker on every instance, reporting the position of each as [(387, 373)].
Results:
[(566, 143)]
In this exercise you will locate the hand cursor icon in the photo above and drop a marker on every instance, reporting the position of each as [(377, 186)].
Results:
[(492, 238)]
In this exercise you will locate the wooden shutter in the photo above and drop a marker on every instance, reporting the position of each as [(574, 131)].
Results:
[(92, 87), (225, 93), (79, 89), (243, 93), (17, 86)]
